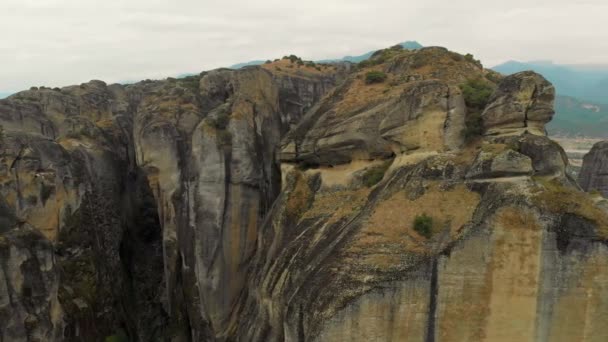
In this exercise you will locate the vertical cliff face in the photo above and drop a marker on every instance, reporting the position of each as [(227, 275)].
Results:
[(29, 307), (594, 172), (151, 195), (68, 171), (210, 162), (510, 242), (296, 202), (301, 86)]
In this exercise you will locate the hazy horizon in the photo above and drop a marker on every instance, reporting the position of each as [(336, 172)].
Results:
[(63, 42)]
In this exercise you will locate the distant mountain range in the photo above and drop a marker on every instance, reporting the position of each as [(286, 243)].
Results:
[(582, 103), (575, 117), (3, 95), (410, 45)]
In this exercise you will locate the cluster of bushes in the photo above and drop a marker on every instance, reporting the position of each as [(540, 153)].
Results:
[(380, 56), (375, 174), (375, 77), (297, 60), (423, 225), (476, 94), (190, 82), (470, 58), (294, 59)]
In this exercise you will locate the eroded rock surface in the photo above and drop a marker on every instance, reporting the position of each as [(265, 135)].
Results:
[(278, 203), (594, 172), (522, 102)]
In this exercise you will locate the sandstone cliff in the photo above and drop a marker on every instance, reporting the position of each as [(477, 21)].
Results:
[(278, 203), (594, 172)]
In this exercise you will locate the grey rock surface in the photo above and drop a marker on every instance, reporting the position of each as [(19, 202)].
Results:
[(594, 172)]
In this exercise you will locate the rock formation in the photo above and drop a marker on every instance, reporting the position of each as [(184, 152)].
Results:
[(295, 202), (594, 172), (522, 102)]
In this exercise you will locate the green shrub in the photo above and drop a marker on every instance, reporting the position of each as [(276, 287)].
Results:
[(120, 336), (456, 57), (476, 94), (493, 76), (375, 77), (374, 175), (364, 64), (473, 126), (470, 58), (423, 225), (190, 82)]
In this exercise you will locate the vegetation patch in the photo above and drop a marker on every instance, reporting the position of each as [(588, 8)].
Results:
[(561, 199), (299, 197), (190, 82), (476, 94), (337, 204), (394, 220), (517, 218), (374, 175), (423, 225), (375, 77), (470, 58), (120, 336)]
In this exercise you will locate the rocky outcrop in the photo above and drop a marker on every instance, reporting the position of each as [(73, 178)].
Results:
[(68, 171), (414, 109), (523, 102), (181, 210), (29, 307), (100, 169), (594, 172), (301, 86)]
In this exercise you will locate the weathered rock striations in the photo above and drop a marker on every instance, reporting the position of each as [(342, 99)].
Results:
[(302, 86), (523, 102), (594, 172), (183, 210)]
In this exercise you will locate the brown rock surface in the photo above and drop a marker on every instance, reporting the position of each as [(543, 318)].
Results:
[(161, 210)]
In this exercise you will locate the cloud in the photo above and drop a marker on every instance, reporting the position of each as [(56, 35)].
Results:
[(61, 42)]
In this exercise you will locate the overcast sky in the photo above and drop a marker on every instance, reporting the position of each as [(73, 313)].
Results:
[(62, 42)]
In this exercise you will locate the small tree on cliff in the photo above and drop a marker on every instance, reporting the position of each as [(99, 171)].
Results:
[(476, 94)]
